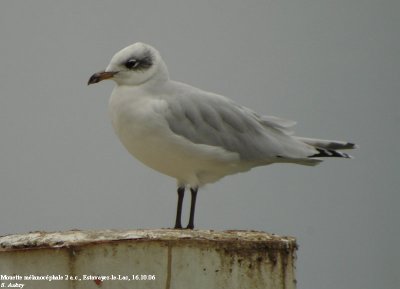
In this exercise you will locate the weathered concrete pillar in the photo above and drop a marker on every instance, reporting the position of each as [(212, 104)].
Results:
[(176, 259)]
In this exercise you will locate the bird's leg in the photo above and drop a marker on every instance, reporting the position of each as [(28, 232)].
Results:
[(192, 207), (181, 192)]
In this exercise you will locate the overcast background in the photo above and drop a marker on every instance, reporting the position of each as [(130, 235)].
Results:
[(333, 66)]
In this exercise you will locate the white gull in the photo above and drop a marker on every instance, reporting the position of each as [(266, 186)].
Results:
[(195, 136)]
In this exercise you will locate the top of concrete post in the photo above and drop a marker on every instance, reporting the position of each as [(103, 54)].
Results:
[(39, 239)]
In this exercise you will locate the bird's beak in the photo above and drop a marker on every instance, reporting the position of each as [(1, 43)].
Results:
[(102, 75)]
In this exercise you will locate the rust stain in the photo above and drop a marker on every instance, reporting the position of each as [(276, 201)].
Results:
[(72, 252), (255, 255), (169, 267), (98, 282)]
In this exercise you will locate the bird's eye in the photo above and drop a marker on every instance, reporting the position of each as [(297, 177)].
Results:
[(131, 63)]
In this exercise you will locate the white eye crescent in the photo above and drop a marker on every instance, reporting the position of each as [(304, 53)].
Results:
[(131, 63)]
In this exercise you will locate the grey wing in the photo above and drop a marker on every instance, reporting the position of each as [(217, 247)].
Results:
[(214, 120)]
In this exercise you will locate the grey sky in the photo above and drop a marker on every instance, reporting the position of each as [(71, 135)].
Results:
[(333, 66)]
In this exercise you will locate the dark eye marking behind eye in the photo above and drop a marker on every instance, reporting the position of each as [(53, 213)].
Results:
[(141, 63), (146, 62)]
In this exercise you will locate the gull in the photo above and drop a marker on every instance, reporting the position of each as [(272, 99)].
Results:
[(195, 136)]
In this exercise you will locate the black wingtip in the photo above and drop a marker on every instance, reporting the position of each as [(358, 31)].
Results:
[(324, 153)]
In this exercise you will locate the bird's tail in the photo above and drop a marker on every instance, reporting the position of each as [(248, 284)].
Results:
[(328, 148)]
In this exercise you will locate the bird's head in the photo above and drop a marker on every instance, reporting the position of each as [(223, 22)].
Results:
[(133, 65)]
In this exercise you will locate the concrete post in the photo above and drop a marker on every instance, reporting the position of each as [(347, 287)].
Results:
[(176, 259)]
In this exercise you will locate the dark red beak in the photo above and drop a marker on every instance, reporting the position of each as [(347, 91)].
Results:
[(99, 76)]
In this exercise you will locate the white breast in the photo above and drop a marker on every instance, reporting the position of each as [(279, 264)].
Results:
[(138, 121)]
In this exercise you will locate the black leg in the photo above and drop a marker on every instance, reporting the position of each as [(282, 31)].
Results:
[(192, 207), (181, 192)]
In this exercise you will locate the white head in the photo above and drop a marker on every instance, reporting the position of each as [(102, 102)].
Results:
[(134, 65)]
